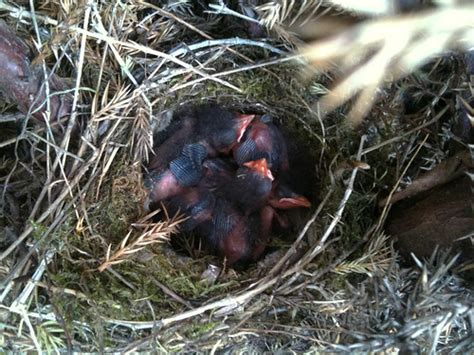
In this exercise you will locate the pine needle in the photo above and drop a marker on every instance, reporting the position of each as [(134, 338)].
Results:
[(150, 233)]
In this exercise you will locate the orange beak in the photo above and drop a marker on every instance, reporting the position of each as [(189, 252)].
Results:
[(243, 122), (294, 202), (261, 167)]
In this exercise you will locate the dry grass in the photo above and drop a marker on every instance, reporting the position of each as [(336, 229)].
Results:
[(336, 284), (388, 49), (151, 233)]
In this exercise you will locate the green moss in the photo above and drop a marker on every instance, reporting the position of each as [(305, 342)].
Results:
[(54, 240), (38, 230), (120, 202), (197, 330), (129, 292), (130, 295)]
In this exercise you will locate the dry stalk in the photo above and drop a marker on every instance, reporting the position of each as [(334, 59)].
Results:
[(274, 13), (392, 192), (349, 320), (142, 139), (192, 28), (115, 43), (388, 49), (375, 260), (152, 233)]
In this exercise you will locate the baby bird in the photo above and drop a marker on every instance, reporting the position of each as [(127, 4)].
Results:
[(240, 239), (172, 143), (218, 129), (251, 186), (160, 180), (248, 187), (241, 223), (230, 203), (283, 198), (195, 203), (201, 132), (188, 167), (217, 173), (263, 140), (262, 221), (162, 186), (184, 171), (227, 229), (198, 202), (230, 234)]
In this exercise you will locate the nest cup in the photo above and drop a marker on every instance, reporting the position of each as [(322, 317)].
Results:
[(301, 178)]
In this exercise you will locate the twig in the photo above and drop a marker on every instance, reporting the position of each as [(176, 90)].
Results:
[(227, 303), (158, 83), (11, 117), (64, 193), (22, 299), (111, 40), (24, 316), (237, 41), (408, 133), (237, 70), (222, 8), (168, 14), (7, 282), (309, 256), (393, 46), (61, 290), (290, 252), (171, 293), (395, 187)]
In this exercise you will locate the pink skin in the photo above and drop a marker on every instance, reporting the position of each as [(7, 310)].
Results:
[(235, 244), (282, 220), (203, 216), (260, 134), (283, 198), (192, 198), (266, 217), (243, 122), (166, 187)]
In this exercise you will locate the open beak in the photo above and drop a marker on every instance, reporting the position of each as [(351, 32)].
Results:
[(287, 203), (261, 167), (294, 202), (243, 122)]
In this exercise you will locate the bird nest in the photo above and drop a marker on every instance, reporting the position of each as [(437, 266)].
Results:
[(86, 267)]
